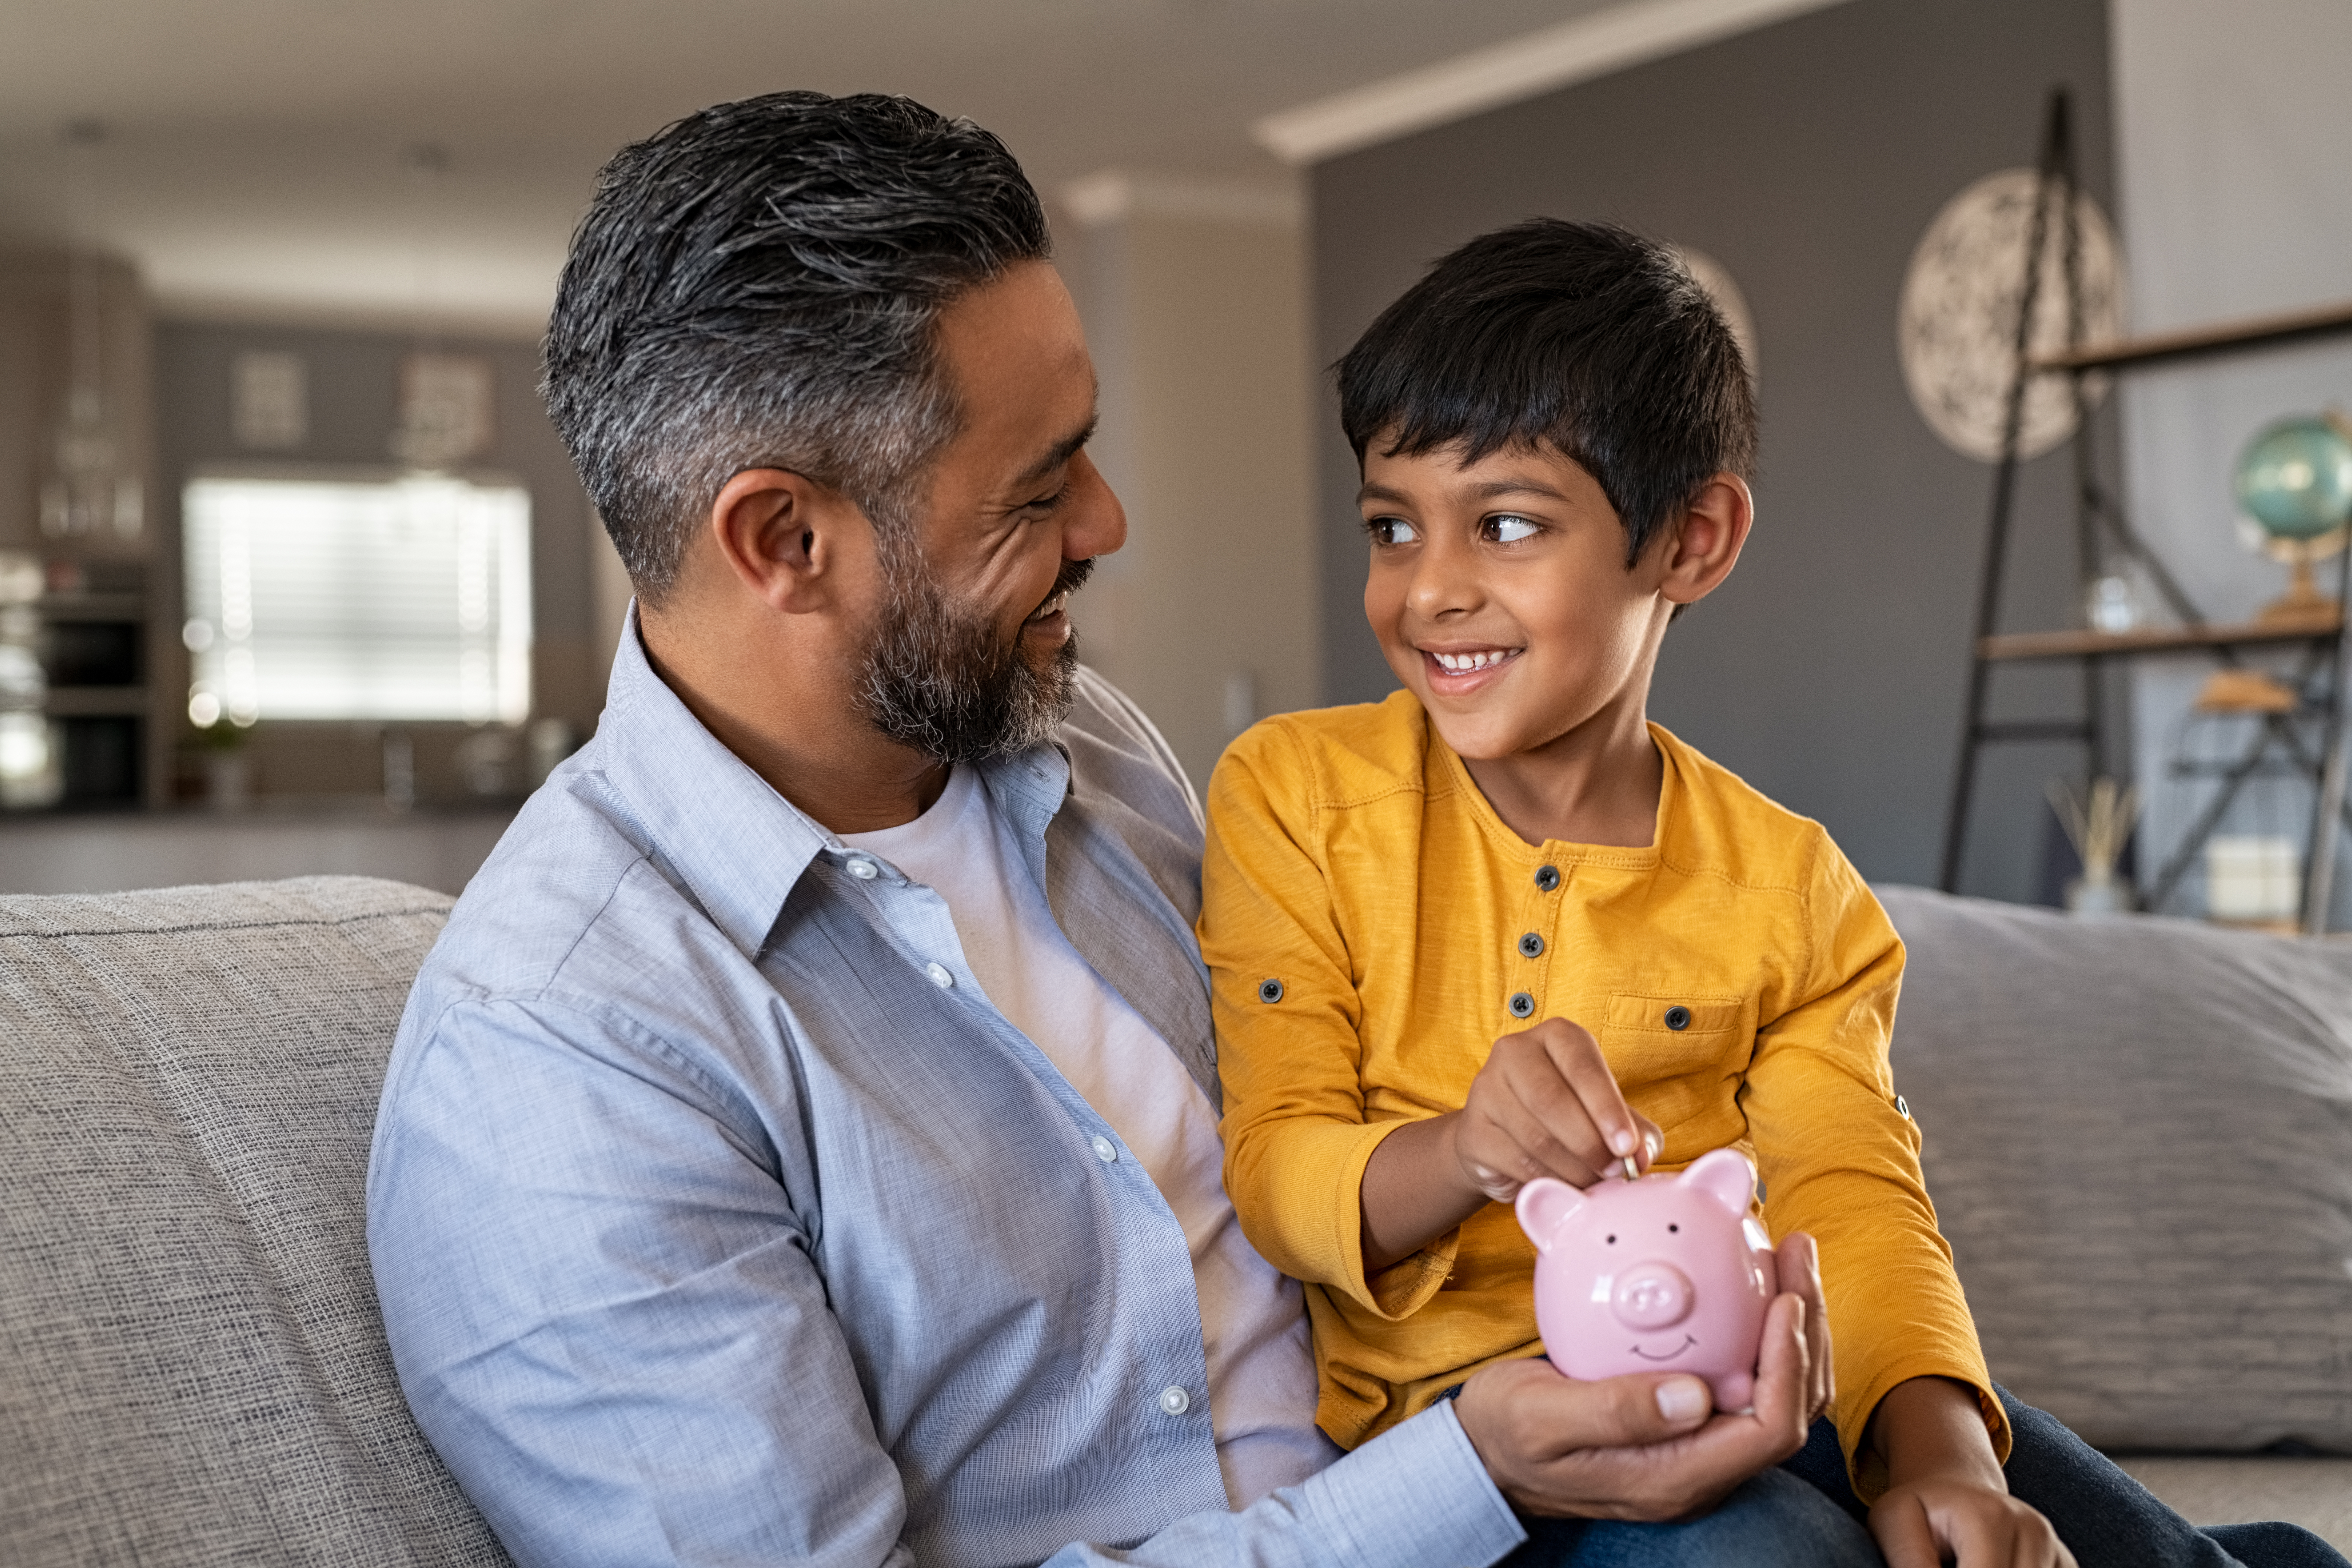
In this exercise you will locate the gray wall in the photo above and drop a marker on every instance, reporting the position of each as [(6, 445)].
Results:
[(1808, 157), (354, 409)]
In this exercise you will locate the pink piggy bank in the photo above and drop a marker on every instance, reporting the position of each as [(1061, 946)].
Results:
[(1663, 1274)]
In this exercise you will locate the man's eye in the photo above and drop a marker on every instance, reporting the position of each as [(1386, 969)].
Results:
[(1048, 504), (1510, 530), (1390, 531)]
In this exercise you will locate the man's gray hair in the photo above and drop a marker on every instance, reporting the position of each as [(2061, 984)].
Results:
[(759, 286)]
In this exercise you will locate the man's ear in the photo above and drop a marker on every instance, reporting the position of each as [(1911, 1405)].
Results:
[(1705, 543), (782, 535)]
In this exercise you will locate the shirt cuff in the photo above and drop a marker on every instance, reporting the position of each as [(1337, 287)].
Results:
[(1864, 1469), (1416, 1494)]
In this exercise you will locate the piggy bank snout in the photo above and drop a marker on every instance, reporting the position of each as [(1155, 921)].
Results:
[(1652, 1296)]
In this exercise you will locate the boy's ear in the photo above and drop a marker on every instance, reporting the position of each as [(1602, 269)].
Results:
[(1704, 544), (780, 534)]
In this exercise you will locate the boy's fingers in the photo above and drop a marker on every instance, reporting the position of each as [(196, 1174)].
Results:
[(1550, 1121), (1653, 1141), (1577, 1055), (1900, 1527), (1532, 1149)]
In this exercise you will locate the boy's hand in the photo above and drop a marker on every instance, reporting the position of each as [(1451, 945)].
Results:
[(1946, 1493), (1640, 1447), (1546, 1104), (1939, 1520)]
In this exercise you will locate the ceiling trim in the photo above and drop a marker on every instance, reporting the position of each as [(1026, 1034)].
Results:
[(1114, 195), (1521, 68), (178, 308)]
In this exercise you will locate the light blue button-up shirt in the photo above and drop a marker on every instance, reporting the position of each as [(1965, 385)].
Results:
[(710, 1228)]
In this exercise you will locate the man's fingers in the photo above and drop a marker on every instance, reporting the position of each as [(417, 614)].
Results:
[(1783, 1382), (1905, 1538), (1798, 1262), (1617, 1412), (1633, 1412)]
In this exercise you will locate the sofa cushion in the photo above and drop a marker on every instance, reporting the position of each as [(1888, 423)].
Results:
[(196, 1372), (2138, 1137)]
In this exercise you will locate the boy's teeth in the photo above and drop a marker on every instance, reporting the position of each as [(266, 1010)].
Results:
[(1458, 663)]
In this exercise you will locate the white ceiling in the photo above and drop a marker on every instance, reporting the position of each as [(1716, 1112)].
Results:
[(252, 162)]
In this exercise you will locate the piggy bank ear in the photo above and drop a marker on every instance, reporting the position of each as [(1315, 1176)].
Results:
[(1726, 1176), (1544, 1207)]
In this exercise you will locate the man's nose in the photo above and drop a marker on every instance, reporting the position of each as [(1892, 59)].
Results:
[(1094, 523)]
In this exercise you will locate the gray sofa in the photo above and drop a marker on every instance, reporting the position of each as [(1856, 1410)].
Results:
[(191, 1369)]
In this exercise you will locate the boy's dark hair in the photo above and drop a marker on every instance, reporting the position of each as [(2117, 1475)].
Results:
[(1583, 336), (756, 286)]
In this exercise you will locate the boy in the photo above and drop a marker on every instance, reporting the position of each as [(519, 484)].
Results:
[(1554, 430)]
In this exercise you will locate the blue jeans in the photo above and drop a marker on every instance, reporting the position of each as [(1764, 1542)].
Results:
[(1773, 1520), (1805, 1512)]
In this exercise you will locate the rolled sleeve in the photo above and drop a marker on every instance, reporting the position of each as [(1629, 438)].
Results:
[(1288, 1050), (1839, 1160)]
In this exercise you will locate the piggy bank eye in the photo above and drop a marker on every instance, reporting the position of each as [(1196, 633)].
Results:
[(1612, 1241), (1675, 1229)]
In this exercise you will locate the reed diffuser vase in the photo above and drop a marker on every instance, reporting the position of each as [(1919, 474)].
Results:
[(2098, 828)]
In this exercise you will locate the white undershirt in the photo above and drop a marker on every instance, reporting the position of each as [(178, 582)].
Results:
[(1252, 1324)]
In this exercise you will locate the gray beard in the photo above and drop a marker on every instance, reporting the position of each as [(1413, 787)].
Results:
[(938, 678)]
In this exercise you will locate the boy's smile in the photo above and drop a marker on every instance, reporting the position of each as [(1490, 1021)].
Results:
[(1501, 596)]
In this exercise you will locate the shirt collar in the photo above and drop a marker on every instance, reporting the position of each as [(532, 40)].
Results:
[(740, 846)]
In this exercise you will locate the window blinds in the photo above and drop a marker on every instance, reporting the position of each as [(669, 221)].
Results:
[(406, 598)]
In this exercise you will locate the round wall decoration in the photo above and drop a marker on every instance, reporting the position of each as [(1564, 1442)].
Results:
[(1715, 279), (1957, 327)]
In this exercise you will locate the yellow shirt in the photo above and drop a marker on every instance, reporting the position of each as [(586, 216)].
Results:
[(1352, 860)]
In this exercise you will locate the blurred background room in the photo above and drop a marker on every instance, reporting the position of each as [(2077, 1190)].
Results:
[(294, 576)]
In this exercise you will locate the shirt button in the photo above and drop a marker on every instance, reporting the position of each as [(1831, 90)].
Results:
[(1531, 946), (1678, 1017), (1174, 1400), (1548, 877), (1269, 990), (1522, 1005), (1105, 1150), (1901, 1109), (939, 976), (862, 868)]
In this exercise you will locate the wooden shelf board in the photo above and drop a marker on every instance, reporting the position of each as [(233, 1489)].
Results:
[(2260, 332), (2155, 639)]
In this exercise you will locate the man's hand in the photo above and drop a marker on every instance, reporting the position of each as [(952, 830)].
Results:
[(1799, 1264), (1642, 1447), (1947, 1497), (1546, 1104)]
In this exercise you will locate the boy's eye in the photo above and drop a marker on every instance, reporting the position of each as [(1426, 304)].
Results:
[(1391, 531), (1507, 530)]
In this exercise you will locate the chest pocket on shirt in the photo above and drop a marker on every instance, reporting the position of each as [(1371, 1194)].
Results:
[(1647, 1037)]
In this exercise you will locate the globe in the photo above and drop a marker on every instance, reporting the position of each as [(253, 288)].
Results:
[(2296, 478)]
